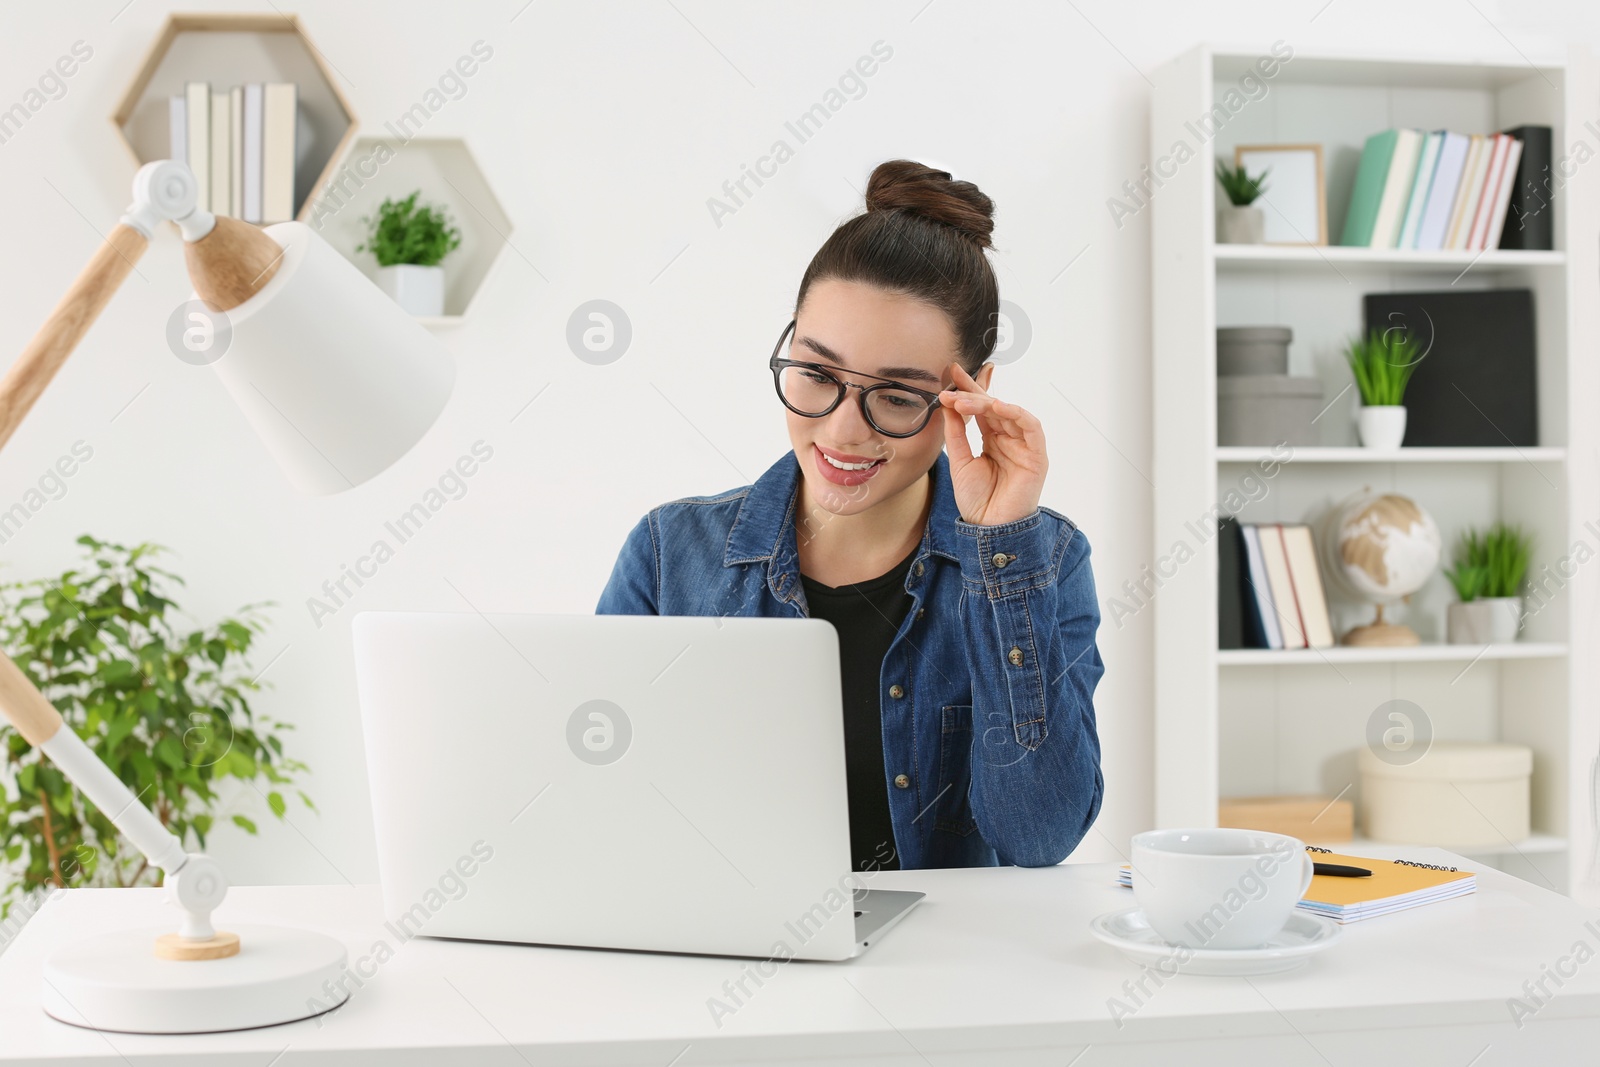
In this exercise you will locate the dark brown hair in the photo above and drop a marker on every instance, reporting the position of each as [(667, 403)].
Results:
[(923, 236)]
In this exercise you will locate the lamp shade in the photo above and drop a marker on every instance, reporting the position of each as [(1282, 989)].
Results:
[(334, 377)]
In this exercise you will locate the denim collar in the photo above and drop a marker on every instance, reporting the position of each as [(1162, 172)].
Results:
[(764, 526)]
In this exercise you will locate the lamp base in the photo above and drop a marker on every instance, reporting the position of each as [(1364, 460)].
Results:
[(117, 982)]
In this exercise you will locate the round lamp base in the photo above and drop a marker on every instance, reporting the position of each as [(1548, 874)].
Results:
[(118, 982)]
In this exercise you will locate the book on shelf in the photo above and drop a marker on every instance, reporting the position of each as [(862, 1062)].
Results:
[(250, 153), (236, 151), (1367, 195), (1530, 219), (197, 122), (240, 144), (1442, 190), (1427, 164), (277, 152), (177, 129), (221, 139), (1260, 614), (1232, 629), (1270, 592), (1471, 182), (1393, 885), (1396, 188)]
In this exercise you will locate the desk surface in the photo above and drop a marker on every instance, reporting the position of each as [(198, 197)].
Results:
[(995, 965)]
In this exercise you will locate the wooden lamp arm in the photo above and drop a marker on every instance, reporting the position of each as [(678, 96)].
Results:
[(27, 377)]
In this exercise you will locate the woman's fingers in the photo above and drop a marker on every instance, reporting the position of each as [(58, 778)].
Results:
[(955, 434), (1008, 418)]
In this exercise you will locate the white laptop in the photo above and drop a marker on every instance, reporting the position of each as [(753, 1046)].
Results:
[(656, 783)]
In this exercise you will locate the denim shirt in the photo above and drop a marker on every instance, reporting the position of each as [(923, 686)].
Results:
[(987, 690)]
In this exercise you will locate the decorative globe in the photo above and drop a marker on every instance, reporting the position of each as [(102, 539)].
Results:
[(1382, 546)]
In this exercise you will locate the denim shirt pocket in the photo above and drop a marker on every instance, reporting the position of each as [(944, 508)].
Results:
[(952, 810)]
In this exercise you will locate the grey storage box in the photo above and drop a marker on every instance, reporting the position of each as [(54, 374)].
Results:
[(1253, 349), (1266, 409)]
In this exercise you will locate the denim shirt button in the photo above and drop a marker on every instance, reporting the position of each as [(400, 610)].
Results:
[(921, 612), (918, 570), (896, 692), (1000, 559), (902, 782), (1015, 655)]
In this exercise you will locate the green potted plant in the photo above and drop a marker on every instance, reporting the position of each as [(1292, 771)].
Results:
[(409, 241), (165, 706), (1382, 365), (1239, 221), (1488, 572)]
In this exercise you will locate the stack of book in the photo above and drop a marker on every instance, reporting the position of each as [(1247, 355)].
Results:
[(240, 145), (1435, 191), (1269, 591)]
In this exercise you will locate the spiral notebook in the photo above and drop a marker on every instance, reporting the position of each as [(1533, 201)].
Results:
[(1394, 885)]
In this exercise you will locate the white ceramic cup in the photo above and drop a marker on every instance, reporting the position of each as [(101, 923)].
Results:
[(1218, 888)]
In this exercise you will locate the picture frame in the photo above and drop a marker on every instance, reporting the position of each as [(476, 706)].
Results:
[(1295, 204)]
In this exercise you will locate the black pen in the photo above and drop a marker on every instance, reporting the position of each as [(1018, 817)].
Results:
[(1340, 870)]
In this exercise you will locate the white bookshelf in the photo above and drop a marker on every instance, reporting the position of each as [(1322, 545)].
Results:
[(1369, 457), (1248, 722), (1427, 653)]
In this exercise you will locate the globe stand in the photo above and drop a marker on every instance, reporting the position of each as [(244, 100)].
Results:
[(1380, 634)]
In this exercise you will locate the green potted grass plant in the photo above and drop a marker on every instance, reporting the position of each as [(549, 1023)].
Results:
[(1382, 365), (1487, 574), (1239, 221), (409, 241)]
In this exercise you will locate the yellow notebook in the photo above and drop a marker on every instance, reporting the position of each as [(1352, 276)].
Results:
[(1394, 885)]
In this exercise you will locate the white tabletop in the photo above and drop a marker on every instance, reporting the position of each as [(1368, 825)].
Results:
[(996, 965)]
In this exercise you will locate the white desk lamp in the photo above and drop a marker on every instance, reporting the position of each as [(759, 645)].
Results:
[(339, 383)]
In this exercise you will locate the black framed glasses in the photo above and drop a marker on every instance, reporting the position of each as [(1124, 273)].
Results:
[(813, 390)]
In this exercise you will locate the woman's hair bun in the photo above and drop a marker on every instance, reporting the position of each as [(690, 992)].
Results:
[(910, 186)]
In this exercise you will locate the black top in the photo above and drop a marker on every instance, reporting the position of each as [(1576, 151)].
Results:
[(867, 615)]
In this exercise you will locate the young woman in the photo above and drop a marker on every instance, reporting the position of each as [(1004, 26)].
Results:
[(966, 612)]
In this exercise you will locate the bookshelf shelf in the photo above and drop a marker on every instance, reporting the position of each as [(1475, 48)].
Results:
[(1425, 653), (1224, 726), (1246, 454), (1532, 845), (232, 49), (446, 172), (1336, 257)]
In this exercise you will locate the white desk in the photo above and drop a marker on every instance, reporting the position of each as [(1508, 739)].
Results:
[(995, 966)]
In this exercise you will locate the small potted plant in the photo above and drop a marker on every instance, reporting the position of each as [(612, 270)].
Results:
[(1239, 222), (409, 240), (1382, 365), (1489, 568)]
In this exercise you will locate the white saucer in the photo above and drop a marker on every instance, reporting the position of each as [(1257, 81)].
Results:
[(1130, 931)]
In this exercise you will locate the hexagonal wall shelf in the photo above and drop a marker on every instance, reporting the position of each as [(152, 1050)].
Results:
[(443, 168), (229, 50)]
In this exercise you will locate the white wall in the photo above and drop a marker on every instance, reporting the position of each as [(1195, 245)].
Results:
[(604, 128)]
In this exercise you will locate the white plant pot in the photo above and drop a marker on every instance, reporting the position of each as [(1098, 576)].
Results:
[(418, 290), (1382, 427), (1489, 621), (1505, 618), (1469, 622), (1240, 225)]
